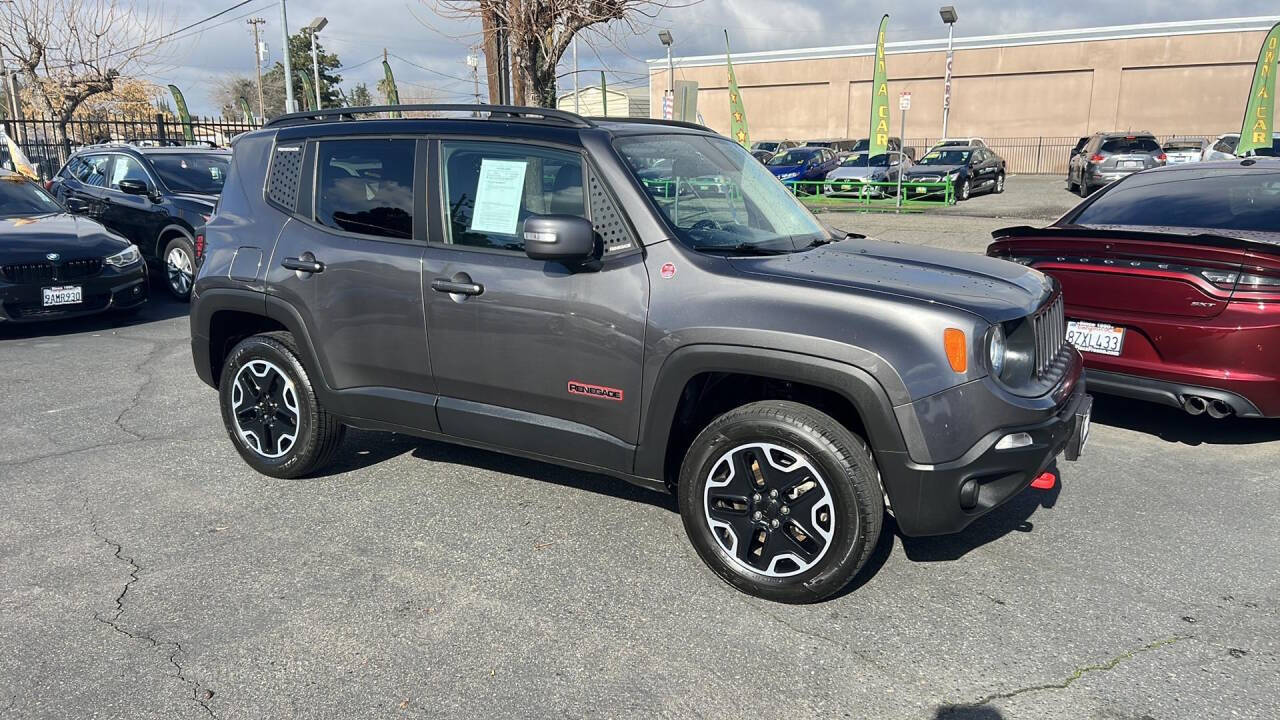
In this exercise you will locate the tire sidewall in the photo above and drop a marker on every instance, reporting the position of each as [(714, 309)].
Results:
[(179, 241), (847, 543), (966, 189), (298, 460), (1000, 180)]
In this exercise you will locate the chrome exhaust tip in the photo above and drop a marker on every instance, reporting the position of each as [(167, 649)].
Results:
[(1195, 405), (1218, 409)]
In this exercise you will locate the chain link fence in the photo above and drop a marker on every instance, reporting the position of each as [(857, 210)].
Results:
[(41, 143)]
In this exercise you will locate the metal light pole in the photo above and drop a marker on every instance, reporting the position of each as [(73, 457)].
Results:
[(948, 14), (315, 27), (258, 58), (665, 37), (576, 104), (289, 105)]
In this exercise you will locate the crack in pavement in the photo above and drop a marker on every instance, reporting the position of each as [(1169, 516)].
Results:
[(143, 368), (200, 697), (1074, 676)]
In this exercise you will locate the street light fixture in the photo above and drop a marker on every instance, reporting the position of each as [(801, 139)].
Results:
[(949, 17), (665, 37), (312, 29)]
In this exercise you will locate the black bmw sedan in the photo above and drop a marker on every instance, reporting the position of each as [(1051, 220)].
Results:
[(54, 264)]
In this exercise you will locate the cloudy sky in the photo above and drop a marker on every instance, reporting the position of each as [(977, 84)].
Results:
[(431, 51)]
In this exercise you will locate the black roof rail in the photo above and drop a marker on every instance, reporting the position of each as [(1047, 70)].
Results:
[(654, 121), (508, 112)]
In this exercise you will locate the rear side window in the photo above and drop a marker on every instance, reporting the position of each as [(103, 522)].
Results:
[(490, 188), (1232, 199), (366, 186), (1122, 146), (94, 170)]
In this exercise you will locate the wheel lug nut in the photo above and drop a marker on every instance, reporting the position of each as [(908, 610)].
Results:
[(775, 522), (757, 515), (786, 510), (756, 497), (773, 493)]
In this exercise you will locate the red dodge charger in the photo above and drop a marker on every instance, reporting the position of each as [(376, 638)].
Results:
[(1172, 284)]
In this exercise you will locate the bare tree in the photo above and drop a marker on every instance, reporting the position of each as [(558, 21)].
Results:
[(68, 51), (539, 33)]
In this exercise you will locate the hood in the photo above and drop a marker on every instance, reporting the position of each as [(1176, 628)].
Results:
[(855, 171), (934, 169), (995, 290), (29, 239)]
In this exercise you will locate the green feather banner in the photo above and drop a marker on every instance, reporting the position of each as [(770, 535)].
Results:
[(737, 111), (879, 137), (246, 110), (393, 94), (187, 133), (1259, 116), (308, 92)]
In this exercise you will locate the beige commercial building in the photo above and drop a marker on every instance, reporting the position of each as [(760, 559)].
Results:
[(1168, 78)]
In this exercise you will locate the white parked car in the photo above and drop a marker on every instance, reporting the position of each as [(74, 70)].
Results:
[(959, 142), (1224, 147), (1184, 150)]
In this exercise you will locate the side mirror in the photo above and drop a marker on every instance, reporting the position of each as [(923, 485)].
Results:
[(134, 187), (559, 238), (76, 206)]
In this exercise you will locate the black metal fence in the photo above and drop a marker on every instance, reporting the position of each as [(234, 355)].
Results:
[(39, 138), (1033, 155)]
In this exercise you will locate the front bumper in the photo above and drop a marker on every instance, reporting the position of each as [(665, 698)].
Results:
[(945, 498), (110, 289)]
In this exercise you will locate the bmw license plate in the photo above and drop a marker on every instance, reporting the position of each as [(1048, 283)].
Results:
[(1098, 338), (62, 295)]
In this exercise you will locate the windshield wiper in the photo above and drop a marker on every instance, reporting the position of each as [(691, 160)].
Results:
[(741, 249)]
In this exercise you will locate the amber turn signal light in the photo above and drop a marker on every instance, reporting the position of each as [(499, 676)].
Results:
[(957, 352)]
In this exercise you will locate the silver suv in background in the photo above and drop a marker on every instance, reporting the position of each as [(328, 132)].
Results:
[(1111, 156)]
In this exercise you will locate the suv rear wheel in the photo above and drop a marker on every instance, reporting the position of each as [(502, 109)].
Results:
[(180, 266), (271, 411), (781, 501)]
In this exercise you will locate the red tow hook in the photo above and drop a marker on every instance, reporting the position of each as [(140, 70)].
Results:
[(1046, 481)]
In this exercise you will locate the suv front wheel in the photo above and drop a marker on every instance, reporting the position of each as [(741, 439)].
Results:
[(271, 411), (781, 501)]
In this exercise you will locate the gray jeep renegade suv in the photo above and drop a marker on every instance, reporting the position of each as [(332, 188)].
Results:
[(635, 298)]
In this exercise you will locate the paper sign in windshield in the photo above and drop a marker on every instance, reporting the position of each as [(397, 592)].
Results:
[(498, 195)]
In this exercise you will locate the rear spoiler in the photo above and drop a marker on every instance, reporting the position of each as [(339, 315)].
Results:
[(1079, 231)]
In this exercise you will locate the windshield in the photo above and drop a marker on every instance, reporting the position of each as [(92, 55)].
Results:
[(195, 173), (860, 160), (945, 157), (747, 210), (798, 156), (1223, 200), (766, 146), (19, 198), (1182, 146)]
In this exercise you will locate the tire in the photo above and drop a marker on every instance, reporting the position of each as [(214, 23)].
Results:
[(999, 187), (965, 190), (790, 444), (179, 260), (1084, 189), (265, 446)]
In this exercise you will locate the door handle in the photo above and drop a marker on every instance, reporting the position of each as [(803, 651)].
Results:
[(454, 287), (308, 264)]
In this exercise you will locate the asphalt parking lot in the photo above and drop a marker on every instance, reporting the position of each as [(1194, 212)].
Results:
[(146, 572)]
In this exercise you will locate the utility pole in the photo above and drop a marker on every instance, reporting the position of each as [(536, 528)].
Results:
[(288, 66), (576, 109), (473, 62), (257, 64)]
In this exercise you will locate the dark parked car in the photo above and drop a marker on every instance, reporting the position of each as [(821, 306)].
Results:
[(1108, 157), (780, 377), (56, 265), (970, 170), (1172, 280), (157, 197), (762, 155), (803, 165)]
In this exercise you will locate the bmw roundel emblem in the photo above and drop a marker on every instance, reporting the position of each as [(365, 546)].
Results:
[(52, 257)]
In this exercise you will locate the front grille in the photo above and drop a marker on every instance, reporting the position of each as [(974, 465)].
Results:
[(925, 178), (1050, 325), (44, 272)]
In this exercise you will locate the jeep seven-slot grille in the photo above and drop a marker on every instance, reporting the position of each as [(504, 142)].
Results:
[(1050, 324), (42, 272)]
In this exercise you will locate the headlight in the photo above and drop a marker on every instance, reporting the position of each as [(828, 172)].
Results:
[(124, 258), (996, 349)]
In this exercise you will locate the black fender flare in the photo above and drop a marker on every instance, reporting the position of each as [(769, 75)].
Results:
[(167, 230), (215, 300), (855, 384)]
